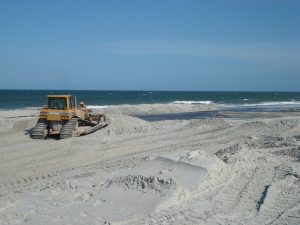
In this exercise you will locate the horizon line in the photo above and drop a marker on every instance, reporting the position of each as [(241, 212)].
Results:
[(131, 90)]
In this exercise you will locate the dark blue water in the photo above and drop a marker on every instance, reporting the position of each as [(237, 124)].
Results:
[(13, 99)]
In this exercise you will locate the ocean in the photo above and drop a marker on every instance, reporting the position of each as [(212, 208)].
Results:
[(18, 99)]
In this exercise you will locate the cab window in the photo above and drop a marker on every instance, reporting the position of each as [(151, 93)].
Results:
[(57, 103)]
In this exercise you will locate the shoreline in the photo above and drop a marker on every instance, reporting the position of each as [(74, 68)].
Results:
[(173, 111)]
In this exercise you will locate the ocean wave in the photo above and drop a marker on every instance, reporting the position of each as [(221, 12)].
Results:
[(278, 103), (33, 108), (193, 102), (97, 106)]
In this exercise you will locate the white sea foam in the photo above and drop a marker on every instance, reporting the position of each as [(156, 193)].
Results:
[(283, 103), (97, 106), (267, 104), (193, 102)]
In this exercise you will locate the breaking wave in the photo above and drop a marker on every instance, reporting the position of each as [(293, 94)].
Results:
[(97, 106), (279, 103), (193, 102)]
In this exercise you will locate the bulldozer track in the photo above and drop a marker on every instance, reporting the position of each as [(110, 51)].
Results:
[(68, 128), (30, 182), (39, 129)]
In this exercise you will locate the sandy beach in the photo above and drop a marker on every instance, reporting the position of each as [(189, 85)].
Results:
[(209, 171)]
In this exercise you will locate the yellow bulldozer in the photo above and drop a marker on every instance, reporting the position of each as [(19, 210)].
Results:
[(62, 117)]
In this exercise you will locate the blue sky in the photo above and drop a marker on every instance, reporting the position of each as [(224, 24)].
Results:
[(150, 45)]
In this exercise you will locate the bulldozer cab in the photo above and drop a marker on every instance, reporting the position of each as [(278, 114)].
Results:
[(60, 108), (61, 102), (57, 103)]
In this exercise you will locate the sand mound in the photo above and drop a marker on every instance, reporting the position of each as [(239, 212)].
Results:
[(206, 125), (144, 109), (189, 176), (275, 126), (122, 124), (284, 124), (186, 175), (254, 125)]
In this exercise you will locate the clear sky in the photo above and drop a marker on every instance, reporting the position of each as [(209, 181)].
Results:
[(150, 45)]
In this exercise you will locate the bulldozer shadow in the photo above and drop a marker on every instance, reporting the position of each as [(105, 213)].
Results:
[(28, 132)]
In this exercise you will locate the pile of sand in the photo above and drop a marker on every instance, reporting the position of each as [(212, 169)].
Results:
[(122, 124)]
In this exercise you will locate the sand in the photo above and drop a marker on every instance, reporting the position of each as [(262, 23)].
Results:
[(210, 171)]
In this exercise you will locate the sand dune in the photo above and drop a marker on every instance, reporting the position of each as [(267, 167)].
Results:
[(214, 171)]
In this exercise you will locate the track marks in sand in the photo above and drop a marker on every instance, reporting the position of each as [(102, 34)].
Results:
[(281, 198), (249, 178), (289, 217), (274, 191), (15, 183)]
